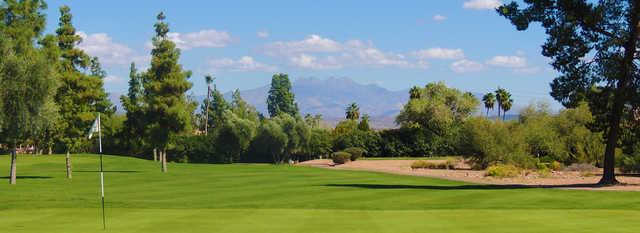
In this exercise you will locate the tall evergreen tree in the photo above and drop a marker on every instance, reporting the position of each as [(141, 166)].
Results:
[(281, 99), (134, 125), (165, 86), (79, 96), (608, 31), (27, 76)]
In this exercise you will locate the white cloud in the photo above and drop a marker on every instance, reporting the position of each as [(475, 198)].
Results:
[(508, 61), (528, 70), (109, 52), (439, 53), (263, 34), (466, 66), (245, 63), (311, 62), (439, 17), (313, 43), (317, 52), (209, 38), (112, 79), (482, 4)]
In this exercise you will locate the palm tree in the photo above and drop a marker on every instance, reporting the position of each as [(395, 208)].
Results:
[(500, 97), (507, 103), (209, 79), (414, 93), (353, 111), (489, 101)]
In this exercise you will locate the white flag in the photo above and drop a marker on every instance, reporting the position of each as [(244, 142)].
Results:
[(94, 127)]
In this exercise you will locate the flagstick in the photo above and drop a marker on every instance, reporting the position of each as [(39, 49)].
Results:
[(104, 223)]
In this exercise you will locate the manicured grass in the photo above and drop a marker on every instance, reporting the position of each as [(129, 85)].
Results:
[(267, 198)]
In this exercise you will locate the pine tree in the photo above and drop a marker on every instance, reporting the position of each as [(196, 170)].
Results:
[(79, 96), (166, 83), (281, 99), (134, 125)]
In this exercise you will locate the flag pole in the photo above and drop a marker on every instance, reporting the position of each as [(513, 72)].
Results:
[(104, 222)]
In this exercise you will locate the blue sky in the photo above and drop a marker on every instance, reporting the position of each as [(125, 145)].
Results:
[(395, 44)]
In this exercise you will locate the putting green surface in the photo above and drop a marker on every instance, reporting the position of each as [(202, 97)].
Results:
[(267, 198)]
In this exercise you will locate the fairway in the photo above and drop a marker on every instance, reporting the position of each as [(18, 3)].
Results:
[(269, 198)]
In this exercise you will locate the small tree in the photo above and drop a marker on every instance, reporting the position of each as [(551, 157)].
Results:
[(364, 123), (27, 76)]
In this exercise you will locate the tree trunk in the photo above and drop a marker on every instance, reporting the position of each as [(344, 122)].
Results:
[(155, 155), (14, 155), (50, 150), (206, 118), (163, 155), (624, 86), (68, 163)]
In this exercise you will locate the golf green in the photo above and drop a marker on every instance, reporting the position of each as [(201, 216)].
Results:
[(269, 198)]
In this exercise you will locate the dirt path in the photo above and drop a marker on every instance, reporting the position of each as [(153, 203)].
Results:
[(566, 180)]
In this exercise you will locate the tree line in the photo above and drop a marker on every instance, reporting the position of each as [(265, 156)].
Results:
[(50, 92)]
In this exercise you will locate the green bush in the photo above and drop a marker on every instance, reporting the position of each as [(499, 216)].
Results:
[(341, 157), (418, 164), (490, 142), (503, 171), (432, 165), (555, 165), (630, 164), (356, 152)]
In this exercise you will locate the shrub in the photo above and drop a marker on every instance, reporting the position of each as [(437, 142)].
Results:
[(503, 171), (356, 152), (418, 164), (495, 142), (451, 163), (555, 165), (581, 167), (432, 165), (545, 172), (341, 157), (630, 164)]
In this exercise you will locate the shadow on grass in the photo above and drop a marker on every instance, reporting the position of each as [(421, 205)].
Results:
[(27, 177), (462, 187), (111, 171)]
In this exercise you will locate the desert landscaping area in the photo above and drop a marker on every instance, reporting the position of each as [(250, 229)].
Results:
[(586, 179)]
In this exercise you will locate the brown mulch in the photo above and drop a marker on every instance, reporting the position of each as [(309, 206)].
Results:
[(556, 179)]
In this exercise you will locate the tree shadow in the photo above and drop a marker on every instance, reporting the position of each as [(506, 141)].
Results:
[(463, 187), (110, 171), (27, 177)]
